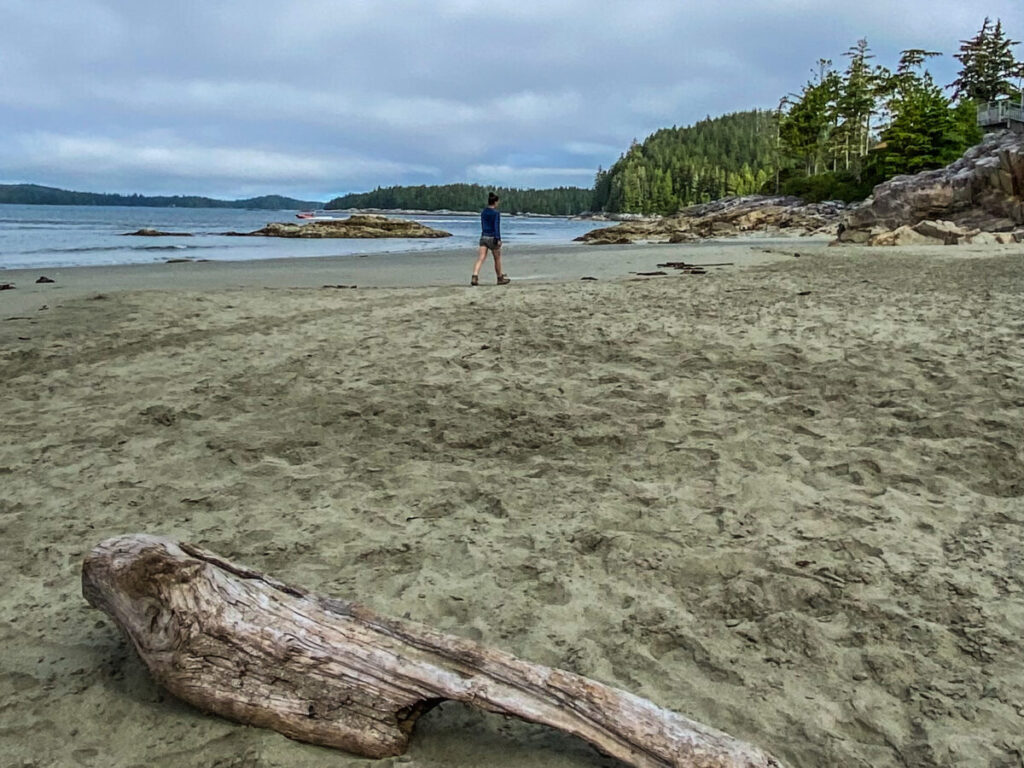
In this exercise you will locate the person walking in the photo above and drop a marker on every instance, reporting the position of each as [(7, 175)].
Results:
[(490, 240)]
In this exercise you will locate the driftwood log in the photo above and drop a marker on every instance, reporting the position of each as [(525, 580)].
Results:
[(232, 641)]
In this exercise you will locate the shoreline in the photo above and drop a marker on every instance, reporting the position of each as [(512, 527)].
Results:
[(448, 267)]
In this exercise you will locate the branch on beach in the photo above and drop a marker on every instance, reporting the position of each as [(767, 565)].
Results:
[(232, 641)]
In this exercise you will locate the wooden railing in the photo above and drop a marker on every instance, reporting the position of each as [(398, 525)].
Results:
[(998, 112)]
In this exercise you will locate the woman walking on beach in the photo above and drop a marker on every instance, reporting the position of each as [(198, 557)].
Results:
[(490, 240)]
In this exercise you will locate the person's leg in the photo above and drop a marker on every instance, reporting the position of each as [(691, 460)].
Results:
[(480, 260), (497, 261)]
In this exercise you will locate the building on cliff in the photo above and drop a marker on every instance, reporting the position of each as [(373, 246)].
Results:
[(1002, 114)]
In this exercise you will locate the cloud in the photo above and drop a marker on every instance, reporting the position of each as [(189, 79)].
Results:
[(348, 96), (590, 148), (167, 157), (522, 176)]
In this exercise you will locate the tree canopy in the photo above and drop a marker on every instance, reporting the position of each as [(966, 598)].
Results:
[(561, 201), (729, 155), (34, 194), (925, 130), (989, 67)]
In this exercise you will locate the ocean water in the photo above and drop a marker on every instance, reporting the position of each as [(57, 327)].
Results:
[(62, 236)]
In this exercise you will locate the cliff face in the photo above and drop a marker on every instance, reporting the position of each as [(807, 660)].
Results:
[(979, 198)]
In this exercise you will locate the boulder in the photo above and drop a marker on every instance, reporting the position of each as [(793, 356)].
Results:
[(904, 236), (625, 233), (682, 237), (946, 231), (355, 226), (991, 238), (982, 191)]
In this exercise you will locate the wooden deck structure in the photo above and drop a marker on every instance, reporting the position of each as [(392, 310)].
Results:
[(1004, 114)]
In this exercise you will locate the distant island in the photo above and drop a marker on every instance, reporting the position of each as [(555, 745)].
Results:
[(34, 194), (561, 201)]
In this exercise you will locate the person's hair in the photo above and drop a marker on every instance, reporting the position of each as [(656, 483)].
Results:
[(492, 198)]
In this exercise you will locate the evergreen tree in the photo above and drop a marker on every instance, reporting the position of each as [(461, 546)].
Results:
[(676, 166), (925, 131), (988, 65), (806, 129), (602, 189), (858, 98)]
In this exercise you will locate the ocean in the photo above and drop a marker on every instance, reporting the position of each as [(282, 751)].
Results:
[(34, 236)]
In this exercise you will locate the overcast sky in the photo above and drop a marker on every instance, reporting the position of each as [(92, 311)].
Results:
[(315, 98)]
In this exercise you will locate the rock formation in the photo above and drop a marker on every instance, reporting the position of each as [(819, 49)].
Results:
[(355, 226), (977, 199), (156, 233), (726, 218)]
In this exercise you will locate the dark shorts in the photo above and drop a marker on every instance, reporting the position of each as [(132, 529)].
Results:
[(490, 243)]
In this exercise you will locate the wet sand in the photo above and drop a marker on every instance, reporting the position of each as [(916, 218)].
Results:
[(785, 500), (527, 264)]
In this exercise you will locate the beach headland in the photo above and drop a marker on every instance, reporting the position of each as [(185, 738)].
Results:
[(784, 499)]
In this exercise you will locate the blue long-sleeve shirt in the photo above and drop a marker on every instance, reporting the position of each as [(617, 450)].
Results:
[(490, 223)]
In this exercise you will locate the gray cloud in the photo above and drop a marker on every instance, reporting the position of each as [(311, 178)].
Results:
[(315, 98)]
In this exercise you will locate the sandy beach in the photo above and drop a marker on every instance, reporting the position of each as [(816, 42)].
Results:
[(784, 498)]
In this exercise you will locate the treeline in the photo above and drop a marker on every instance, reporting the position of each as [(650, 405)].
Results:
[(848, 131), (561, 201), (33, 194), (730, 155), (845, 132)]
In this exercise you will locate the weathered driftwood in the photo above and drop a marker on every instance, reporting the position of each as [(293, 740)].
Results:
[(237, 643)]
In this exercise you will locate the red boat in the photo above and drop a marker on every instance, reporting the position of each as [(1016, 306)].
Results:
[(316, 216)]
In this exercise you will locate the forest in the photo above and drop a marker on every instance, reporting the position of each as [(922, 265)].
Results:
[(562, 201), (844, 132), (33, 194), (729, 155)]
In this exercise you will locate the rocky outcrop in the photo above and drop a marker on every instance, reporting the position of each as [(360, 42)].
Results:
[(602, 216), (156, 233), (730, 217), (979, 198), (356, 226)]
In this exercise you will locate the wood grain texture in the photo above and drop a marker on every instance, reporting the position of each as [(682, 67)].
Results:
[(232, 641)]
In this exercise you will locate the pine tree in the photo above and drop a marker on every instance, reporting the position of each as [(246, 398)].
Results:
[(858, 96), (681, 166), (806, 129), (988, 65), (925, 131)]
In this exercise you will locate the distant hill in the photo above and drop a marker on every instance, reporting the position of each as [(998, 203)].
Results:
[(561, 201), (33, 194), (730, 155)]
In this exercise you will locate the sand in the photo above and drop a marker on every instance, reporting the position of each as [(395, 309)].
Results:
[(785, 500)]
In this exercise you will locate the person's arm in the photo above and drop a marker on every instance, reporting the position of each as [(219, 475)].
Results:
[(497, 225)]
